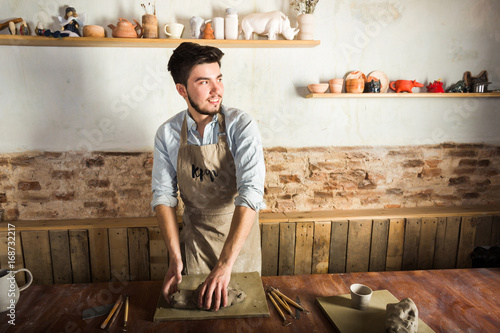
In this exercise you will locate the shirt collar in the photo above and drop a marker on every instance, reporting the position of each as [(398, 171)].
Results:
[(191, 124)]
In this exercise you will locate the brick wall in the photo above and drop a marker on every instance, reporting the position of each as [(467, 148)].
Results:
[(48, 185)]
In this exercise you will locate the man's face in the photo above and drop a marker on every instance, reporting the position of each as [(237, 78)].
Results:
[(204, 89)]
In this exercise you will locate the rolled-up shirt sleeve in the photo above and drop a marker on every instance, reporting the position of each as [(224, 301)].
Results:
[(246, 147), (164, 175)]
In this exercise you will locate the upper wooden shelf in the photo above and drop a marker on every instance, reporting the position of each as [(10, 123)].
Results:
[(403, 95), (148, 42)]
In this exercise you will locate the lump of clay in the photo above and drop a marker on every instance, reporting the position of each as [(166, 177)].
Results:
[(188, 299), (401, 317)]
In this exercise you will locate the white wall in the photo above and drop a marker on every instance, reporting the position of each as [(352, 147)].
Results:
[(60, 99)]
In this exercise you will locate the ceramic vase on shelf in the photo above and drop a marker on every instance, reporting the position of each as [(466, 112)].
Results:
[(306, 26)]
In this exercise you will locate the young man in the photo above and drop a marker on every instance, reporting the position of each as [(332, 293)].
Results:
[(213, 156)]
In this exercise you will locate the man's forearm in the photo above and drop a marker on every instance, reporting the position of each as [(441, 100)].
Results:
[(241, 224), (169, 228)]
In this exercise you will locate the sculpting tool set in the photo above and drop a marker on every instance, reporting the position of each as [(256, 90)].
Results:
[(149, 8), (113, 314), (277, 297)]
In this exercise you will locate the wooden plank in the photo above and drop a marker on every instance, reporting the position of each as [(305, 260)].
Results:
[(303, 248), (358, 246), (138, 253), (378, 251), (80, 258), (321, 247), (495, 231), (483, 231), (60, 255), (99, 255), (10, 245), (466, 242), (338, 247), (412, 240), (118, 254), (395, 245), (270, 245), (36, 248), (158, 254), (286, 259), (427, 243), (447, 234)]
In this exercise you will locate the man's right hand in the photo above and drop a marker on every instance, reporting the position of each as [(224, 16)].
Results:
[(172, 279)]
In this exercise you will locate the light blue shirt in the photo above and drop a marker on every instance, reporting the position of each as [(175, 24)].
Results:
[(244, 142)]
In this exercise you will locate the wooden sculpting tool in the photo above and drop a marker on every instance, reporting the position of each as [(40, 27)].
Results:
[(126, 315), (116, 314), (285, 322), (117, 303), (6, 24), (283, 304), (289, 300)]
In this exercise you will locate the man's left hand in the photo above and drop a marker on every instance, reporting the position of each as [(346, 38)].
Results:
[(213, 293)]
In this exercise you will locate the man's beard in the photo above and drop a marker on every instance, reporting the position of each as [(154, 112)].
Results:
[(199, 110)]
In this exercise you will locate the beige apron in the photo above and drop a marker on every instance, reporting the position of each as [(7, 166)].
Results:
[(206, 176)]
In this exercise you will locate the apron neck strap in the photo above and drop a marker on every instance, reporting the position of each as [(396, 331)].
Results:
[(220, 119)]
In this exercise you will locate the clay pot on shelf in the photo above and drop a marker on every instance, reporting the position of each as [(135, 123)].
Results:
[(125, 29), (318, 88), (93, 31), (306, 27), (336, 85), (355, 86)]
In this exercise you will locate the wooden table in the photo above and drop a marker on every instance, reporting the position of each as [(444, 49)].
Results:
[(458, 300)]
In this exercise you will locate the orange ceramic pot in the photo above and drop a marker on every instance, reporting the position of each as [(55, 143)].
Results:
[(355, 85)]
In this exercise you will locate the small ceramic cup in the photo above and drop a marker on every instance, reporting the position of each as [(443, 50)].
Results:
[(218, 26), (174, 30), (360, 296), (336, 85), (355, 86)]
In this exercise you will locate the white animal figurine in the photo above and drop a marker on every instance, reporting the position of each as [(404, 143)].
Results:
[(271, 24), (197, 24)]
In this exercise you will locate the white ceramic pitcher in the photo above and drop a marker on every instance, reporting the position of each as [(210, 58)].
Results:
[(9, 292)]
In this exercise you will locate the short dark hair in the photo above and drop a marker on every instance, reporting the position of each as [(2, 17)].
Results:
[(187, 55)]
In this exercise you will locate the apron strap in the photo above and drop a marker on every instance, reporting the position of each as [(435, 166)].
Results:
[(220, 119)]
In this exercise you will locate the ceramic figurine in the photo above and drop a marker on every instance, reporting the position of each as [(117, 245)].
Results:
[(72, 22), (39, 30), (197, 24), (208, 32), (373, 86), (23, 29), (271, 24), (12, 28), (404, 85), (459, 87), (435, 87), (472, 81)]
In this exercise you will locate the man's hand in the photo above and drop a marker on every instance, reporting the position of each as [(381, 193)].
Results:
[(172, 279), (213, 293)]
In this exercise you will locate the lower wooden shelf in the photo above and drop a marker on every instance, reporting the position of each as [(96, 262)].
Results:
[(18, 40), (404, 95)]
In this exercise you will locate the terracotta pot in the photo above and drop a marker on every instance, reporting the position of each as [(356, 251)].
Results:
[(306, 26), (354, 85), (149, 26), (336, 85), (93, 31)]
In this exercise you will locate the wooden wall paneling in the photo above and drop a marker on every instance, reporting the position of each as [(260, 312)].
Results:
[(447, 233), (466, 241), (395, 244), (321, 247), (36, 250), (412, 241), (80, 256), (286, 261), (495, 231), (304, 234), (358, 245), (158, 254), (99, 255), (139, 253), (118, 254), (378, 250), (10, 244), (484, 231), (338, 247), (426, 247), (270, 245), (61, 256)]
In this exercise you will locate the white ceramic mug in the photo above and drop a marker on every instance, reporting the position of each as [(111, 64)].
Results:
[(218, 26), (360, 296), (9, 292), (174, 30)]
